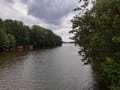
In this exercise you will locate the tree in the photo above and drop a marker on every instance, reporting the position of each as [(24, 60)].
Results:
[(19, 34), (41, 37), (97, 32), (12, 41), (4, 42)]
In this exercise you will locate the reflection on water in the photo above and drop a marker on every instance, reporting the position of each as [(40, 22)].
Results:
[(50, 69)]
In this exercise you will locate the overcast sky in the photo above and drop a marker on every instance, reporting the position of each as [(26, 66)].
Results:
[(51, 14)]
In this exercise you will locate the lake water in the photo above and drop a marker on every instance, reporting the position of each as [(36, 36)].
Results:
[(57, 68)]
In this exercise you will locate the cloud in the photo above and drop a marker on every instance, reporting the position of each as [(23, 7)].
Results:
[(10, 1), (63, 29), (51, 14), (51, 11), (24, 1)]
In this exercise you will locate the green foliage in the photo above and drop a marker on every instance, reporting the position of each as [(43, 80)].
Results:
[(97, 31), (20, 31), (41, 37), (116, 39), (112, 72), (4, 42), (12, 41), (14, 33)]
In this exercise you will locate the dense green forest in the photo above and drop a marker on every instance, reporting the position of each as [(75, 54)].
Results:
[(14, 33), (97, 31)]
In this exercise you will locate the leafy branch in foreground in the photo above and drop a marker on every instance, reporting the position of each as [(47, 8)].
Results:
[(97, 31)]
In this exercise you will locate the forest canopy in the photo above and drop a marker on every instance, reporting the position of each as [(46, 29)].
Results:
[(14, 33)]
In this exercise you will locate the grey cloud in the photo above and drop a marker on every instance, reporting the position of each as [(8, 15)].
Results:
[(50, 11), (10, 1), (24, 1)]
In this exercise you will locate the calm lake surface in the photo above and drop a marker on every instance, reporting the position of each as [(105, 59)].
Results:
[(58, 68)]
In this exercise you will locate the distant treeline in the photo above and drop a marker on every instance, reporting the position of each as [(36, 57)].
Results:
[(68, 42), (14, 33)]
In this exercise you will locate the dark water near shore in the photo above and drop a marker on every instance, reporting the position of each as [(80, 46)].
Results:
[(58, 68)]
